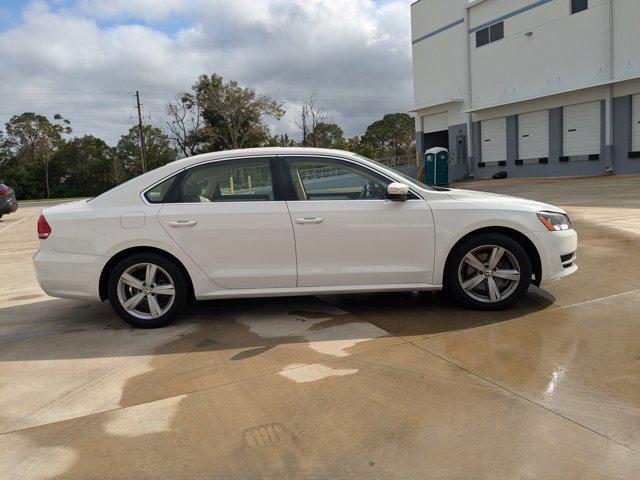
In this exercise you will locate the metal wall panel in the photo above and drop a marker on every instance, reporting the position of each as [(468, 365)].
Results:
[(581, 129), (435, 123), (533, 135), (494, 140), (635, 122)]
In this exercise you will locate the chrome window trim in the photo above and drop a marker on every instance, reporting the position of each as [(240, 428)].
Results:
[(357, 163), (286, 155), (204, 162)]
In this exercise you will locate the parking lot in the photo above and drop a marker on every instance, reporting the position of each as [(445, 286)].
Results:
[(362, 386)]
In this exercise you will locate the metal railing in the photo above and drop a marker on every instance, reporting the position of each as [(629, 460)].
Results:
[(398, 161)]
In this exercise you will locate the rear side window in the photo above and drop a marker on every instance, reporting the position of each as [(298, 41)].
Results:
[(158, 194), (243, 180)]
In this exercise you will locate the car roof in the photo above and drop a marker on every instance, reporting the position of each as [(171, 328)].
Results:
[(263, 151)]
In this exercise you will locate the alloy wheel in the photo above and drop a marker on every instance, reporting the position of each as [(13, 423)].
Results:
[(146, 291), (489, 273)]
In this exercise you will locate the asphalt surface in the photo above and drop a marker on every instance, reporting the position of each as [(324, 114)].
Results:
[(359, 386)]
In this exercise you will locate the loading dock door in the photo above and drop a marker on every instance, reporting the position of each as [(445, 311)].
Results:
[(533, 135), (435, 123), (581, 129), (635, 123), (494, 139)]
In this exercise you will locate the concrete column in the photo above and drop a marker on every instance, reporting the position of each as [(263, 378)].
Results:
[(555, 139), (477, 141), (419, 145), (458, 138), (512, 139), (606, 131), (622, 121)]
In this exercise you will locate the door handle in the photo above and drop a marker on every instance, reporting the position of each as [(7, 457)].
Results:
[(183, 223), (305, 220)]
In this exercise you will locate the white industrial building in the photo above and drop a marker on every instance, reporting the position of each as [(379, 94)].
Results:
[(532, 87)]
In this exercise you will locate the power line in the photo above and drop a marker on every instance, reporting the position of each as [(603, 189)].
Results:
[(64, 93)]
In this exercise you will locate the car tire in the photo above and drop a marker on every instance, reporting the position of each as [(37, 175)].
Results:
[(147, 305), (488, 271)]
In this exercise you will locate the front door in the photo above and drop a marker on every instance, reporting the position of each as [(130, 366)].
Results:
[(229, 223), (348, 233)]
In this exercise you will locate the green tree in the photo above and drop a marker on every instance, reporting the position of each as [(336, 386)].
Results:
[(33, 140), (82, 167), (327, 135), (282, 141), (158, 151), (218, 116), (356, 144), (394, 135)]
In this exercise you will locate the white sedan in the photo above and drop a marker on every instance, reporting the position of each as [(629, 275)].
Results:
[(294, 221)]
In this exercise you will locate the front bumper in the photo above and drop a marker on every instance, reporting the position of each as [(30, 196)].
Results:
[(557, 254), (68, 275)]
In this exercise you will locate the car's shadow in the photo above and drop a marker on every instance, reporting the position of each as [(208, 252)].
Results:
[(65, 329)]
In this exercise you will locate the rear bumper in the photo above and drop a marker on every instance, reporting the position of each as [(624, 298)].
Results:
[(68, 275), (557, 254)]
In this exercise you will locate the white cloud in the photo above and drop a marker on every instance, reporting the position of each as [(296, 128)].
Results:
[(355, 54)]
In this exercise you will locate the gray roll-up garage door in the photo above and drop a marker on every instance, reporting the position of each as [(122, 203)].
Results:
[(635, 123), (435, 123), (494, 139), (581, 129), (533, 135)]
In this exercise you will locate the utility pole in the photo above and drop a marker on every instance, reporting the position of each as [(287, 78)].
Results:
[(144, 162)]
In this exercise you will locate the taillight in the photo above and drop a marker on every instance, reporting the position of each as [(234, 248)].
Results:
[(4, 191), (44, 229)]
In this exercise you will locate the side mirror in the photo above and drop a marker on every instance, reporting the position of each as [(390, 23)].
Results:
[(397, 191)]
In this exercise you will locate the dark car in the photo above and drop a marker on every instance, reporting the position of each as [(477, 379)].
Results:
[(8, 202)]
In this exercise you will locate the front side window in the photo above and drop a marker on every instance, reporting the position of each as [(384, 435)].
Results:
[(328, 179), (245, 180)]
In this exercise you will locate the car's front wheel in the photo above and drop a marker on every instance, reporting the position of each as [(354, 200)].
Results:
[(147, 290), (488, 271)]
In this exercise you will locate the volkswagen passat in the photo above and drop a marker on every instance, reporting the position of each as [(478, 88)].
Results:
[(294, 221)]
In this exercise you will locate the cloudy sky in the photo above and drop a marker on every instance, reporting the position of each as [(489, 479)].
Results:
[(85, 58)]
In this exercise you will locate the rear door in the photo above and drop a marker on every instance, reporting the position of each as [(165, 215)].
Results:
[(226, 216), (348, 233)]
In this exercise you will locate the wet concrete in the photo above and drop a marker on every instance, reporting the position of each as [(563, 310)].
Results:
[(400, 385)]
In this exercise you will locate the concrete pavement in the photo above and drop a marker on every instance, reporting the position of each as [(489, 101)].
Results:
[(379, 385)]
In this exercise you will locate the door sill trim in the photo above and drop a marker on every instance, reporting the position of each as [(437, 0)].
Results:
[(294, 291)]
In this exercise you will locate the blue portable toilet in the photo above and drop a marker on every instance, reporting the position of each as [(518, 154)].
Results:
[(436, 166)]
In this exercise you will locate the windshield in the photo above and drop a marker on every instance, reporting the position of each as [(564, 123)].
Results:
[(408, 178)]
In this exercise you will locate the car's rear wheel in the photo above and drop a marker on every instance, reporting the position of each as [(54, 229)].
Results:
[(489, 271), (147, 290)]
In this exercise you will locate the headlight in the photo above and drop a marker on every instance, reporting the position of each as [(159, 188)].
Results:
[(555, 221)]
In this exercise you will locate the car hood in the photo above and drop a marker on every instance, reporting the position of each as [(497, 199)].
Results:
[(499, 200)]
